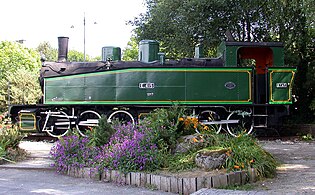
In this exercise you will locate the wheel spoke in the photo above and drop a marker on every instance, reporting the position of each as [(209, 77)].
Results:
[(87, 119), (211, 119), (242, 122), (122, 116)]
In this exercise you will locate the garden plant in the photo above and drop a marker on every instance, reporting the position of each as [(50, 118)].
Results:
[(152, 145), (10, 138)]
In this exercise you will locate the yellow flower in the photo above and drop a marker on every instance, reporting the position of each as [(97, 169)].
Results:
[(236, 167), (206, 127), (194, 140)]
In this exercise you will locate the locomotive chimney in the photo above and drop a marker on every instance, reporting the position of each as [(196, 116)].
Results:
[(63, 49)]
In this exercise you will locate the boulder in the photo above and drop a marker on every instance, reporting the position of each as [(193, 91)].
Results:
[(211, 159), (190, 143)]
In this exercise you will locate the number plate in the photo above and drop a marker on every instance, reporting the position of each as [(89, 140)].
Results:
[(281, 85)]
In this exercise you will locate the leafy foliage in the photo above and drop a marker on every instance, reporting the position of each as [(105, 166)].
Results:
[(14, 56), (130, 53), (47, 51), (144, 148), (2, 153), (238, 20), (9, 141), (181, 162), (101, 134), (245, 153), (18, 62), (51, 54), (76, 56), (164, 124), (10, 137), (22, 87)]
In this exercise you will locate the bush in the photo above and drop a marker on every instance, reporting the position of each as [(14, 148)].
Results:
[(2, 153), (148, 147), (101, 134), (10, 138), (244, 153), (130, 149), (165, 126), (73, 151), (181, 162)]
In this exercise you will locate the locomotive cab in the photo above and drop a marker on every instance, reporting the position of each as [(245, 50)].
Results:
[(261, 58), (271, 79)]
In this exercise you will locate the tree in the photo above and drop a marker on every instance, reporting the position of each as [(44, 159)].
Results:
[(175, 22), (293, 23), (47, 51), (51, 54), (22, 87), (19, 68), (14, 55), (130, 53), (76, 56)]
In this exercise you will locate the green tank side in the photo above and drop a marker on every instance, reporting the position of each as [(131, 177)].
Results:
[(280, 85), (152, 86)]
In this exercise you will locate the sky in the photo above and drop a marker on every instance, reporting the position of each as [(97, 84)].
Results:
[(36, 21)]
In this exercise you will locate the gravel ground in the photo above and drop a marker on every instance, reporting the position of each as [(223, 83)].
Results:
[(36, 176), (296, 175)]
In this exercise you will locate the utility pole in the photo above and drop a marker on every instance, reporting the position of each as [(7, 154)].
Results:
[(84, 36), (9, 94)]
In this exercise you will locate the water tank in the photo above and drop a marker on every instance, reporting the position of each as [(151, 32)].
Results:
[(148, 51), (112, 53)]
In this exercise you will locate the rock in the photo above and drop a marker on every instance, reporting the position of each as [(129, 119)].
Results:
[(190, 143), (210, 159)]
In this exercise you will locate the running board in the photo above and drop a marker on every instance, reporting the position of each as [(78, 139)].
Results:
[(260, 126), (220, 122)]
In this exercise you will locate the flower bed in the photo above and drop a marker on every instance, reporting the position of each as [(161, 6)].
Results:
[(167, 183), (157, 144)]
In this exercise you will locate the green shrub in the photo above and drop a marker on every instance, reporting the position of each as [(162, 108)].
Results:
[(149, 146), (2, 153), (307, 137), (101, 134), (245, 153), (10, 137), (165, 126), (9, 142), (181, 162)]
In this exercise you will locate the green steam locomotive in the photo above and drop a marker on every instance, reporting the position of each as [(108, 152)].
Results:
[(247, 86)]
